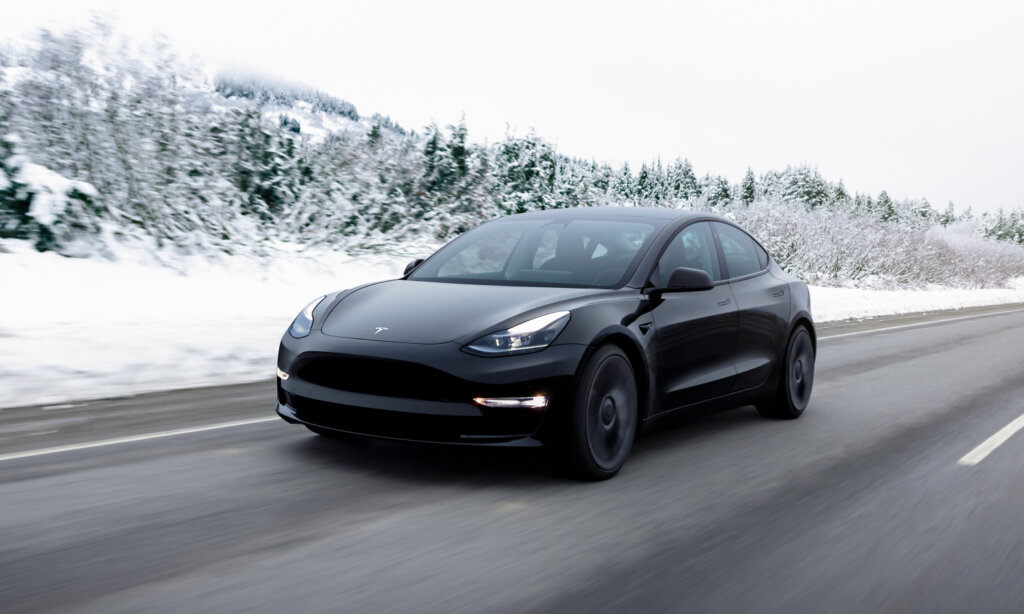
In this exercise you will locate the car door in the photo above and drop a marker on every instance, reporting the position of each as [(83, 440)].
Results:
[(695, 332), (762, 301)]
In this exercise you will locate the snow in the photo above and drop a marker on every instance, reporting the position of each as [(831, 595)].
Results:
[(49, 191), (12, 75), (831, 304), (77, 328), (313, 124)]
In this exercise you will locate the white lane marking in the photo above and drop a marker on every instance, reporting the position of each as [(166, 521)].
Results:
[(978, 454), (928, 323), (132, 439)]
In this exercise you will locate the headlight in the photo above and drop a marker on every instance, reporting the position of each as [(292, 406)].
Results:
[(530, 336), (304, 321)]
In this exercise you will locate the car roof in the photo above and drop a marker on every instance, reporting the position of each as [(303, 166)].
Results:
[(659, 214)]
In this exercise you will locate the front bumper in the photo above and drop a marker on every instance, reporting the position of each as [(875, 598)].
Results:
[(418, 392)]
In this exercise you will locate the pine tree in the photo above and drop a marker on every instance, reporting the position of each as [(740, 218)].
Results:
[(688, 184), (14, 202), (658, 183), (716, 190), (839, 195), (290, 124), (921, 210), (457, 148), (433, 166), (948, 216), (623, 186), (644, 183), (886, 209), (748, 189)]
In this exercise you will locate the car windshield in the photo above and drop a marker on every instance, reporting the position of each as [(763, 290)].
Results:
[(541, 252)]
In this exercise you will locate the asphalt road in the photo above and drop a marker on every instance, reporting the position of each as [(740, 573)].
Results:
[(861, 505)]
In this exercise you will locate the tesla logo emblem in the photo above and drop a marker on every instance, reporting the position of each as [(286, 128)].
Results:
[(380, 329)]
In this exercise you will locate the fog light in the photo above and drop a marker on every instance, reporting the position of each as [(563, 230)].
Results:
[(520, 402), (281, 374)]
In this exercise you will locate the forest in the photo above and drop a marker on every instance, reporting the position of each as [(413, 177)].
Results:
[(105, 141)]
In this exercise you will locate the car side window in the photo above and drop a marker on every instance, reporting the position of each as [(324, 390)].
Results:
[(762, 256), (693, 248), (740, 251), (545, 248)]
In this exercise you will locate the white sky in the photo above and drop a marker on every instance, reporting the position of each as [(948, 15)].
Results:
[(919, 98)]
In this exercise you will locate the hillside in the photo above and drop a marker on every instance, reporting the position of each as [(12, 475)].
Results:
[(106, 144)]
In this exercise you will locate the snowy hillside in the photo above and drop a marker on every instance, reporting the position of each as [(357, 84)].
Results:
[(102, 142)]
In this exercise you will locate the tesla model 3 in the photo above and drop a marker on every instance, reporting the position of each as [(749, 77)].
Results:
[(569, 329)]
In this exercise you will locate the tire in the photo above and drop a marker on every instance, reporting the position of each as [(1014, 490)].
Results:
[(603, 420), (793, 390)]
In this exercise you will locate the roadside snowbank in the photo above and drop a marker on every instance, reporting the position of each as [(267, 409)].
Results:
[(89, 328), (831, 304)]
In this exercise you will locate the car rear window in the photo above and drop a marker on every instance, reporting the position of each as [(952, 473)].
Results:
[(740, 251)]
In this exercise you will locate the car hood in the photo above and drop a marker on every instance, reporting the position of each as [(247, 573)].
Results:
[(407, 311)]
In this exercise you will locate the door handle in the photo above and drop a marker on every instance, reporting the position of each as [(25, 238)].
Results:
[(724, 302), (778, 293)]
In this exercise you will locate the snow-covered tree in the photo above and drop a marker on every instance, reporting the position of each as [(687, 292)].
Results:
[(948, 216), (748, 189), (885, 207)]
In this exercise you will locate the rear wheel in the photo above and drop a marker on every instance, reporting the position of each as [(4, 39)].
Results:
[(603, 422), (795, 381)]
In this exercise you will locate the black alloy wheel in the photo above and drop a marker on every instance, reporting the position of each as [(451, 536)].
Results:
[(796, 380), (604, 417)]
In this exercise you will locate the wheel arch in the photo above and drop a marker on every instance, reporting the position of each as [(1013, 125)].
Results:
[(637, 360), (804, 319)]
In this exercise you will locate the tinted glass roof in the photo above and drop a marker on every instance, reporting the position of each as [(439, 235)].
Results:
[(636, 213)]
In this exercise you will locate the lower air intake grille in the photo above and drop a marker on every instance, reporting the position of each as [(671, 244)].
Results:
[(393, 378)]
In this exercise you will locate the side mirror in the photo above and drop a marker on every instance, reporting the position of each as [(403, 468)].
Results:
[(688, 280), (409, 268)]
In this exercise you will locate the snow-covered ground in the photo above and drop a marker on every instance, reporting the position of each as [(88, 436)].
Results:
[(88, 328), (831, 304)]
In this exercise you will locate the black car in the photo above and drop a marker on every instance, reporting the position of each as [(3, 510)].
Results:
[(566, 328)]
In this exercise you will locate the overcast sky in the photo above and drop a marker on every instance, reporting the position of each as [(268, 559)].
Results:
[(918, 98)]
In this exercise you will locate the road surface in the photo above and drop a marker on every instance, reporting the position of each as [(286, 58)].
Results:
[(873, 501)]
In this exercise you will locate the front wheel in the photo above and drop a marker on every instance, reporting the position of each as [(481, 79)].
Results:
[(604, 416), (795, 381)]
